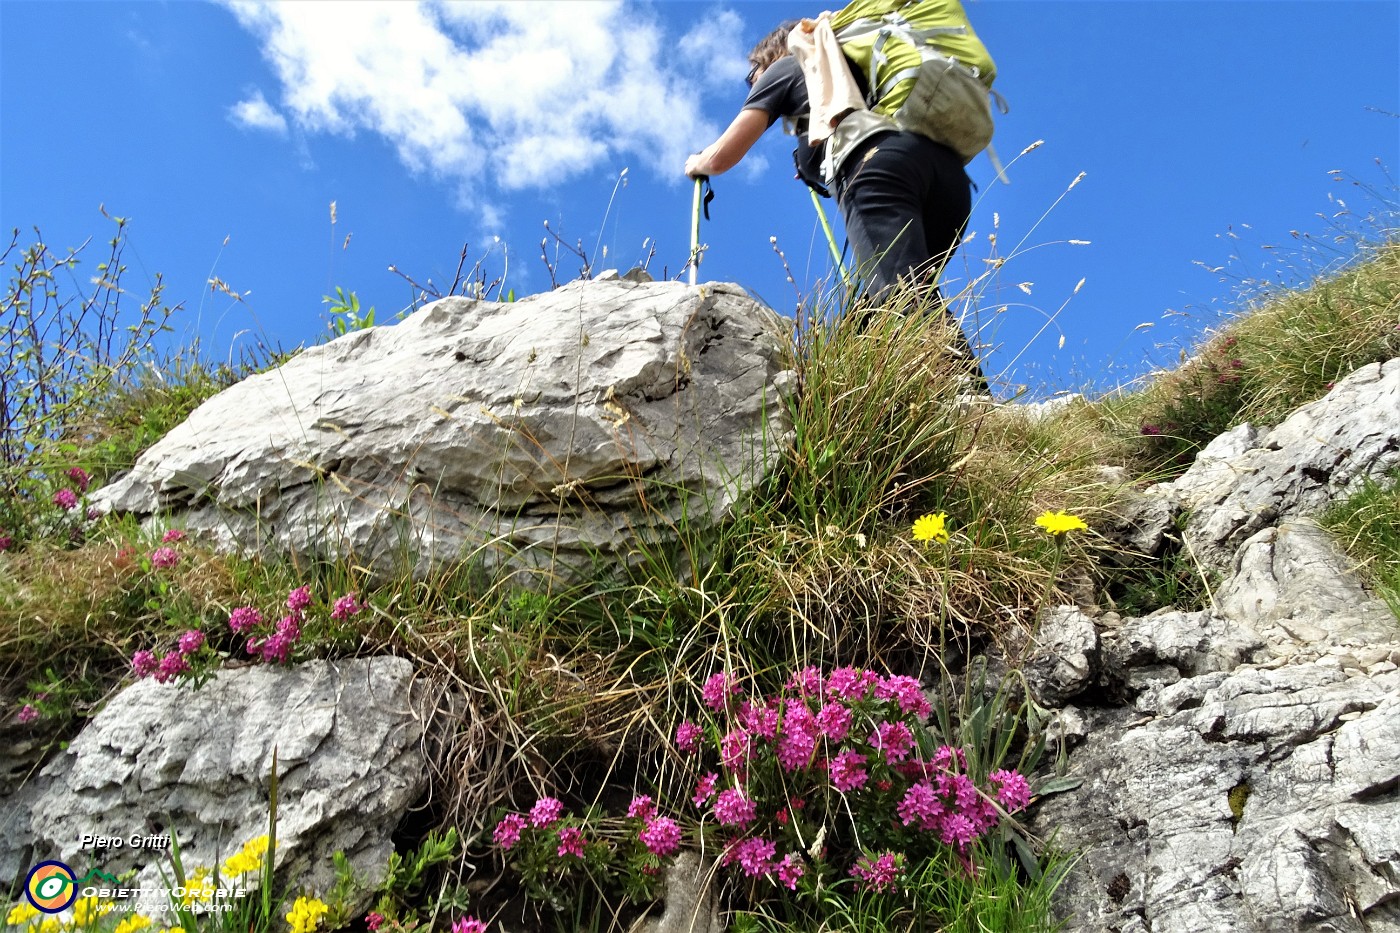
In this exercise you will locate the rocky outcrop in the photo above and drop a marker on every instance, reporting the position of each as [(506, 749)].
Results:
[(516, 435), (1238, 764), (164, 760)]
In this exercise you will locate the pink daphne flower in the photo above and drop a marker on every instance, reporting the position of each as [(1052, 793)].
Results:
[(789, 870), (907, 693), (244, 619), (661, 836), (761, 721), (834, 721), (27, 714), (894, 739), (191, 641), (732, 808), (171, 666), (848, 771), (705, 788), (80, 478), (144, 663), (163, 558), (545, 812), (66, 499), (958, 830), (717, 690), (880, 873), (688, 736), (799, 739), (373, 921), (807, 682), (756, 856), (467, 925), (172, 536), (508, 830), (274, 648), (345, 607), (299, 599), (734, 750), (642, 807), (571, 842), (850, 683), (1012, 789)]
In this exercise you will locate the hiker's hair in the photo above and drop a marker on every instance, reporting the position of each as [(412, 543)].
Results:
[(769, 49)]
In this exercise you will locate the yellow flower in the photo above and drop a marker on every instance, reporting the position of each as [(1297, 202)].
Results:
[(198, 886), (306, 914), (1059, 523), (51, 925), (21, 914), (931, 527), (248, 859), (133, 923), (86, 910)]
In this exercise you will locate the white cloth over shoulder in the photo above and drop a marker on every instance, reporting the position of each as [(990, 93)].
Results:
[(832, 90)]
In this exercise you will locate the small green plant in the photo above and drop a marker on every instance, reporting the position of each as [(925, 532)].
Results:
[(345, 313)]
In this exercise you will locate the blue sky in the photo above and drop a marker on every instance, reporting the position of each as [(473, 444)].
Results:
[(1203, 136)]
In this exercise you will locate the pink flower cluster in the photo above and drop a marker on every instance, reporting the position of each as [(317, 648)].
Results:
[(69, 497), (173, 664), (468, 925), (165, 556), (880, 873), (568, 841), (852, 732), (277, 646)]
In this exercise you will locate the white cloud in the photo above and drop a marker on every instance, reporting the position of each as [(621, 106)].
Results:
[(495, 93), (257, 114), (715, 50)]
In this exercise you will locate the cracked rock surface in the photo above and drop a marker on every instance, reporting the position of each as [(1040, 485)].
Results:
[(196, 763), (511, 433), (1240, 764)]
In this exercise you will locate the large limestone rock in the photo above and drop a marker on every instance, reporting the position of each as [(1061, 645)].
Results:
[(1249, 479), (581, 424), (1239, 763), (159, 759)]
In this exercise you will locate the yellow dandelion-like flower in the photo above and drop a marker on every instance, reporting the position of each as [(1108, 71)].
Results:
[(248, 859), (199, 886), (51, 925), (133, 923), (306, 914), (21, 914), (1060, 523), (86, 910), (931, 527)]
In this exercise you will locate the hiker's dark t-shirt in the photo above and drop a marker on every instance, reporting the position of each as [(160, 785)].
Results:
[(781, 91)]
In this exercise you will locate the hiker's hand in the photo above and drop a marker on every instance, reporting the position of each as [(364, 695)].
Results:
[(697, 166)]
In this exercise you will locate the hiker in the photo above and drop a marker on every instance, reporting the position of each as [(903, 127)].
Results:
[(904, 197)]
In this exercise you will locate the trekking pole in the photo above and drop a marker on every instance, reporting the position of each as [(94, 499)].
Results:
[(695, 230), (830, 238)]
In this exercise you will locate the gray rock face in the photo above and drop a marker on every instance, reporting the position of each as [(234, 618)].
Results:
[(1249, 781), (1305, 754), (196, 764), (1249, 480), (516, 434)]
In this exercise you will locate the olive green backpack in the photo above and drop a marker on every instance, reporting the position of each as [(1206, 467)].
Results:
[(926, 70)]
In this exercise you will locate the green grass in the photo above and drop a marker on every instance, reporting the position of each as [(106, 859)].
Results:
[(1368, 525)]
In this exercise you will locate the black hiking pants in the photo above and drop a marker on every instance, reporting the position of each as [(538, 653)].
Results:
[(905, 200)]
